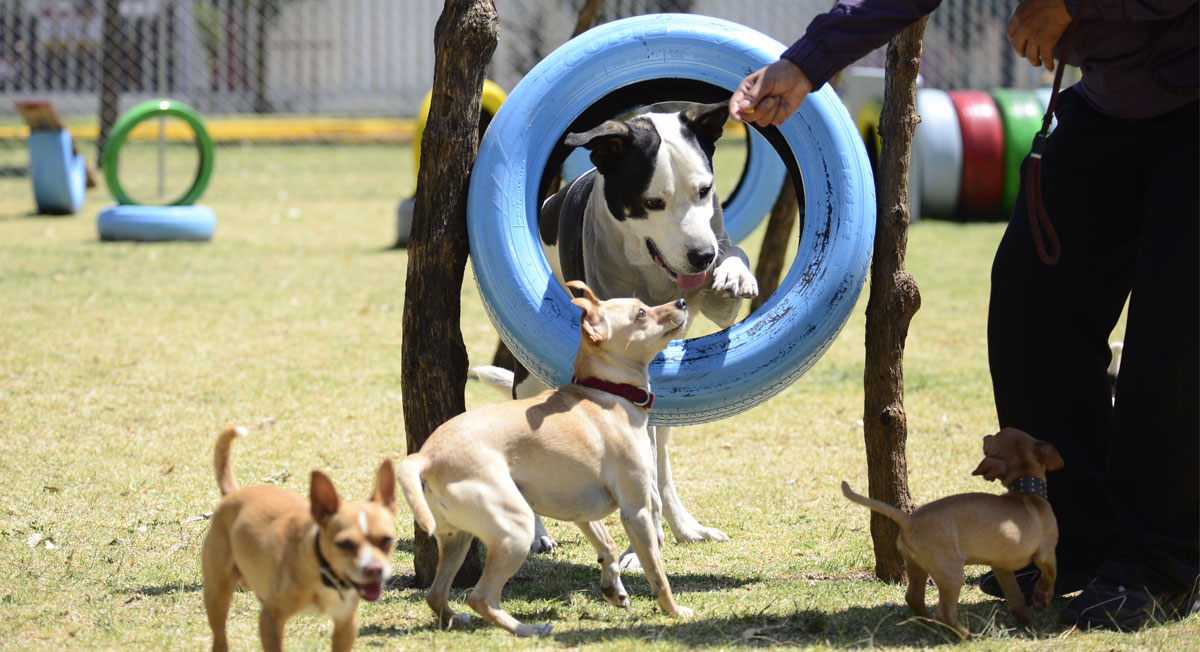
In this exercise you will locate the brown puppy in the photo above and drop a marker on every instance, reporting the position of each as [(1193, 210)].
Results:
[(298, 556), (576, 453), (1005, 532)]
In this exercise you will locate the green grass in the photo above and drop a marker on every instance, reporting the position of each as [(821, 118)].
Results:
[(118, 363)]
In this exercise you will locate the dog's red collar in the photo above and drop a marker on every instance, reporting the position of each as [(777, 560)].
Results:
[(639, 396)]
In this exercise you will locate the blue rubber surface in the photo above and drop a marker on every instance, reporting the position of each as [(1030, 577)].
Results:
[(699, 379), (156, 223), (58, 173)]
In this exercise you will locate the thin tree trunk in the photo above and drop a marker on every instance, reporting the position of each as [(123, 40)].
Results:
[(111, 68), (434, 359), (775, 242), (893, 301)]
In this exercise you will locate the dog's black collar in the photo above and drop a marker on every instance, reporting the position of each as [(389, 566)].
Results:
[(328, 577), (1027, 484), (639, 396)]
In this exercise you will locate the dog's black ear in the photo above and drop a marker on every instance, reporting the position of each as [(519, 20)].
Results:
[(322, 497), (1047, 454), (707, 120), (607, 143), (385, 486)]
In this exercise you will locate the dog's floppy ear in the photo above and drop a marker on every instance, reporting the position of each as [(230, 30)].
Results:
[(991, 468), (707, 120), (607, 143), (385, 486), (323, 497), (1047, 454)]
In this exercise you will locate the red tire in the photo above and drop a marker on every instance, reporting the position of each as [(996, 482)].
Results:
[(983, 155)]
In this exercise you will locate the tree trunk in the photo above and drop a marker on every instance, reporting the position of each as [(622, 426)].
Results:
[(434, 359), (265, 12), (112, 66), (893, 301), (775, 242)]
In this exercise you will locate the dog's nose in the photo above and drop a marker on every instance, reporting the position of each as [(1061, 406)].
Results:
[(700, 258), (681, 304)]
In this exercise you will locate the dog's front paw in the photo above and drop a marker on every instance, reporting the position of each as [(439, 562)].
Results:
[(734, 279), (541, 629), (457, 621), (683, 612), (697, 533), (629, 561)]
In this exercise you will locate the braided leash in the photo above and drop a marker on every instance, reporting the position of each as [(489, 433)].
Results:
[(1038, 220)]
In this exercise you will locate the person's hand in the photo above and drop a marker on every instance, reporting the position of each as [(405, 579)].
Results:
[(770, 94), (1035, 28)]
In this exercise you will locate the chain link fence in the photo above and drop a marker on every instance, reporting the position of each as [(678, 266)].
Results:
[(354, 71)]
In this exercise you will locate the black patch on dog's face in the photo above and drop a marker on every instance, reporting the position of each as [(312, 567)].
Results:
[(625, 154)]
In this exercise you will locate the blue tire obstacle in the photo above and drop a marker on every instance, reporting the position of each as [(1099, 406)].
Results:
[(705, 378), (182, 219), (156, 223)]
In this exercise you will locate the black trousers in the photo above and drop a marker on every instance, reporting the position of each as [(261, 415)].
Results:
[(1122, 196)]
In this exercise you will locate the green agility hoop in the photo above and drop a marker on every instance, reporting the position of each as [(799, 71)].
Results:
[(159, 108)]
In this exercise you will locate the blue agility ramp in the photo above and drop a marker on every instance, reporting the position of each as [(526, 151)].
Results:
[(59, 174)]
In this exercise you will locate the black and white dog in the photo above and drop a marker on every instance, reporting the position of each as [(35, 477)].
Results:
[(646, 223)]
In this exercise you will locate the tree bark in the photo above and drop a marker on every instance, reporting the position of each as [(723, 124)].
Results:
[(434, 359), (114, 53), (893, 301), (775, 242)]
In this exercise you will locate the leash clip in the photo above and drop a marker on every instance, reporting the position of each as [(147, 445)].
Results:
[(1039, 145)]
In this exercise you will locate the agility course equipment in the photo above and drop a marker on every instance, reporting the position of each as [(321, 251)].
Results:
[(57, 170), (178, 219), (1021, 118), (493, 96), (704, 378)]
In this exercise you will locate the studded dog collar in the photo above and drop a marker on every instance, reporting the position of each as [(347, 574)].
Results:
[(1027, 484)]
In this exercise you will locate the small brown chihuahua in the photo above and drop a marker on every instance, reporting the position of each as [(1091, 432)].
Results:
[(315, 556), (1005, 532)]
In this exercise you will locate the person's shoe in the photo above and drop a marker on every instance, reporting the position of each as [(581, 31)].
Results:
[(1066, 582), (1105, 603)]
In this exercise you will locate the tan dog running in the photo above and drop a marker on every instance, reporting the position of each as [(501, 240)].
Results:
[(576, 453), (1005, 532), (297, 556)]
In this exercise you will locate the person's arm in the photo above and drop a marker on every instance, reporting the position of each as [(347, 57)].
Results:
[(849, 32), (833, 40)]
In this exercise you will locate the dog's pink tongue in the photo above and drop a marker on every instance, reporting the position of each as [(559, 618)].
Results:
[(690, 281)]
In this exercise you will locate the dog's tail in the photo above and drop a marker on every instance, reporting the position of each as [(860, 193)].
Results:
[(897, 515), (408, 476), (497, 378), (221, 454)]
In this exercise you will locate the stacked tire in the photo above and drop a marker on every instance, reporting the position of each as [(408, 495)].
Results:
[(968, 148)]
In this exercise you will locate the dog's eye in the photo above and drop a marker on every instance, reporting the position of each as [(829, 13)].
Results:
[(346, 545), (385, 543), (704, 191), (654, 204), (641, 315)]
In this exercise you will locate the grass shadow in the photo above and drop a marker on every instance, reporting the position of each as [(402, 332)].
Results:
[(162, 589)]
